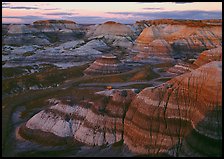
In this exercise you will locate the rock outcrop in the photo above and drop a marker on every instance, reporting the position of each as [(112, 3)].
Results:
[(77, 47), (18, 35), (43, 26), (90, 123), (179, 116), (192, 23), (68, 54), (139, 26), (205, 57), (42, 32), (49, 22), (156, 48), (55, 25), (183, 39), (181, 68), (107, 64), (21, 29), (208, 56), (115, 34), (112, 28)]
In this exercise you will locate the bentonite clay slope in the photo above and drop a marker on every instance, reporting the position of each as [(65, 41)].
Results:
[(209, 55), (112, 28), (89, 122), (115, 34), (181, 68), (189, 23), (182, 38), (20, 29), (158, 48), (42, 26), (160, 117), (205, 57), (43, 33), (107, 64), (55, 25)]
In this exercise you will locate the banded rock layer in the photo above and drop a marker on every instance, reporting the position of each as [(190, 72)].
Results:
[(160, 118), (55, 25), (209, 55), (115, 34), (107, 64), (20, 29), (181, 68), (157, 48), (42, 32), (204, 57), (111, 28), (43, 26), (90, 123), (180, 39)]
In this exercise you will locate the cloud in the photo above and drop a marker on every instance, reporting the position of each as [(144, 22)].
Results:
[(153, 8), (51, 9), (85, 19), (97, 19), (43, 4), (5, 3), (60, 13), (26, 19), (194, 14), (23, 17), (149, 2), (182, 2), (10, 7), (166, 2), (134, 16), (122, 13)]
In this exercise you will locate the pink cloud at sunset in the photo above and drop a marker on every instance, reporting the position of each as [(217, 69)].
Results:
[(98, 12)]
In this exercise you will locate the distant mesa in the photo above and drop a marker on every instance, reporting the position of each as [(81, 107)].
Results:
[(45, 22), (42, 26), (66, 26), (190, 23), (107, 64), (111, 22)]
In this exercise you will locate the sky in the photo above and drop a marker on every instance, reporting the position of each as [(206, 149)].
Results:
[(100, 12)]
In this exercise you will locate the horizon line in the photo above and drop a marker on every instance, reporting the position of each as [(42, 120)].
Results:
[(115, 21)]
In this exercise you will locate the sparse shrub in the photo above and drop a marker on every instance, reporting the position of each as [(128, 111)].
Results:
[(124, 93), (102, 109), (88, 105), (105, 100), (67, 117), (28, 54), (137, 91)]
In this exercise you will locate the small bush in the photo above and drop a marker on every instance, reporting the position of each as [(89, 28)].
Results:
[(124, 93), (28, 54), (137, 91)]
